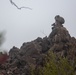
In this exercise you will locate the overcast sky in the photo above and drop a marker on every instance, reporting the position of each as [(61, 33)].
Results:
[(26, 25)]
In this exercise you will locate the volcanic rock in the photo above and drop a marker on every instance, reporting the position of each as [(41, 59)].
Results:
[(31, 54)]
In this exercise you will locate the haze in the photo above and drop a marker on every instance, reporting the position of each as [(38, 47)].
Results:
[(26, 25)]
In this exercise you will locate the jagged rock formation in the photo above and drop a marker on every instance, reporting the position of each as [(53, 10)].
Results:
[(31, 54), (59, 20)]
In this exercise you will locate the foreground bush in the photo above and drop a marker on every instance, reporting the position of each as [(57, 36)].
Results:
[(53, 65)]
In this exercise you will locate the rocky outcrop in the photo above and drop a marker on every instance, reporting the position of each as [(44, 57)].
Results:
[(60, 40), (31, 54)]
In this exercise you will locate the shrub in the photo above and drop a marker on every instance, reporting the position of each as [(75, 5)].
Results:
[(54, 65)]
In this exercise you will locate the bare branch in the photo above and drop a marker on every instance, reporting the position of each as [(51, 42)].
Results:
[(13, 3)]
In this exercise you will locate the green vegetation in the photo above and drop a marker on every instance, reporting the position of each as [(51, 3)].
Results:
[(54, 65), (2, 39)]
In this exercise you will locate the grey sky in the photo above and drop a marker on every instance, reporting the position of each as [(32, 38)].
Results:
[(26, 25)]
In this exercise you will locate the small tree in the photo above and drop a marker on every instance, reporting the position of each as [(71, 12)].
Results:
[(1, 39), (3, 55)]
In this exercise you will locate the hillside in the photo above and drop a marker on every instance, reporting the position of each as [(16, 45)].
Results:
[(52, 55)]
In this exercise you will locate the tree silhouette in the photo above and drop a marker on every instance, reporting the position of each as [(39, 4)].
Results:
[(13, 3), (2, 38), (3, 56)]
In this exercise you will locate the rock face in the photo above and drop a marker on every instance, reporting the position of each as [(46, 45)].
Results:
[(32, 53)]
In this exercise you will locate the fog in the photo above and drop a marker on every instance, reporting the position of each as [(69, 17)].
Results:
[(26, 25)]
